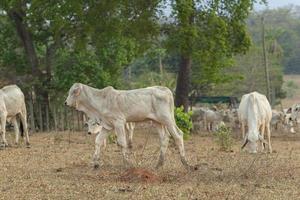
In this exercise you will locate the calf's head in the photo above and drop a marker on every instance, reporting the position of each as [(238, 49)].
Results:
[(94, 126)]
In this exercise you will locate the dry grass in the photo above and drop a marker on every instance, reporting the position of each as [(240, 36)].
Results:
[(58, 166)]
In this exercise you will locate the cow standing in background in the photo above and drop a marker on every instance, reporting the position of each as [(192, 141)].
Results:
[(255, 112), (114, 108), (12, 104)]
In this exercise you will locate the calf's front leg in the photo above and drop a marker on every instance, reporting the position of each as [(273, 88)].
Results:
[(100, 139)]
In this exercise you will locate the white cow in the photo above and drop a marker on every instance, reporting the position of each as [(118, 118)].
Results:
[(94, 127), (255, 112), (212, 119), (198, 116), (114, 108), (12, 104)]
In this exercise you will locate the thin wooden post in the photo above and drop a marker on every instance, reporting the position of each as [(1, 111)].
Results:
[(31, 113), (47, 118), (40, 117), (62, 118), (55, 115), (267, 76)]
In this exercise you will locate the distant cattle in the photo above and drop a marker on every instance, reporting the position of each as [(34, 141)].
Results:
[(255, 112), (198, 117), (277, 119), (114, 108), (212, 119), (294, 112), (291, 115), (12, 105)]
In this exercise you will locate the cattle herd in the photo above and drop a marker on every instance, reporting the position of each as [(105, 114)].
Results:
[(116, 111)]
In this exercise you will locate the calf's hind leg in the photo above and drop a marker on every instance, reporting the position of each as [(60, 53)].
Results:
[(25, 128), (3, 128), (16, 127), (164, 141)]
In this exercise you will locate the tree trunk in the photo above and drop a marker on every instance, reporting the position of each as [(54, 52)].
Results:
[(161, 70), (183, 83), (62, 118), (55, 116), (17, 15)]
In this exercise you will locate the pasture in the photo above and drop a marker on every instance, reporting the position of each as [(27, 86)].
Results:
[(58, 166)]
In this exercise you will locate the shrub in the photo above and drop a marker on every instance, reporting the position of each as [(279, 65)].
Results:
[(112, 138), (183, 121), (224, 138)]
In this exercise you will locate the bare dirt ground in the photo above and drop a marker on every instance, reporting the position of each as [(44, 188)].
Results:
[(58, 166)]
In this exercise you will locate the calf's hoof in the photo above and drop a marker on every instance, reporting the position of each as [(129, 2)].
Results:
[(27, 144), (96, 165)]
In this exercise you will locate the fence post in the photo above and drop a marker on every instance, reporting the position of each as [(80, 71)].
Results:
[(31, 113), (47, 118), (55, 120), (40, 117), (62, 118)]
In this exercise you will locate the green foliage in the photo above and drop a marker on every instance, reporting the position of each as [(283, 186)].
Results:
[(112, 138), (184, 121), (209, 34), (224, 138), (248, 73), (282, 26), (84, 67), (75, 41)]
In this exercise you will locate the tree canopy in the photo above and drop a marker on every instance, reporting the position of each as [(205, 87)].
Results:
[(207, 47)]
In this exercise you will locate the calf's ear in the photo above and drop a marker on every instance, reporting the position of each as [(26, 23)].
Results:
[(289, 110)]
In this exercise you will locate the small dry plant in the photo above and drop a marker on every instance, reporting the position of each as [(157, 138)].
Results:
[(224, 137)]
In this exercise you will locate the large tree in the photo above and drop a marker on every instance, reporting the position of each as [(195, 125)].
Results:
[(206, 34)]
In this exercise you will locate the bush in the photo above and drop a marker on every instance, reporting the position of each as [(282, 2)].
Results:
[(183, 121), (112, 138), (223, 137)]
